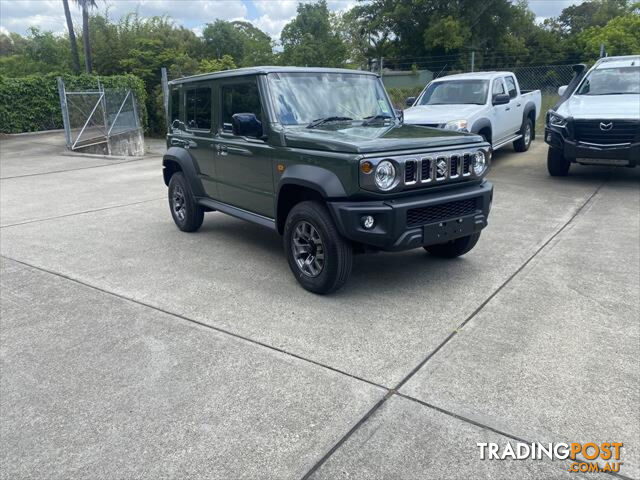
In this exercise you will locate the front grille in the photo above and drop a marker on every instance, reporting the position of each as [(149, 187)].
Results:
[(466, 164), (442, 212), (453, 171), (410, 172), (426, 170), (621, 131)]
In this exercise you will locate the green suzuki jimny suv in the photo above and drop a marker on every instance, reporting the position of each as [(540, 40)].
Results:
[(320, 156)]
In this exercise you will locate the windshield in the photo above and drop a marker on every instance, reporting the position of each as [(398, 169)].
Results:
[(611, 81), (456, 92), (301, 98)]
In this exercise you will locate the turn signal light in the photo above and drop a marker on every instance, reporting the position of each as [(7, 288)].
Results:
[(366, 167)]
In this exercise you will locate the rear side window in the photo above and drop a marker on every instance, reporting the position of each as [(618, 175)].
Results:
[(239, 98), (198, 108), (511, 86), (175, 105), (498, 87)]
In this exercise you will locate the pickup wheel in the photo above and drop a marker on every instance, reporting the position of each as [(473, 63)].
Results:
[(523, 144), (186, 213), (319, 257), (454, 248), (557, 164)]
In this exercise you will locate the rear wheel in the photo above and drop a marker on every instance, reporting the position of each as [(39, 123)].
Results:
[(557, 164), (186, 213), (523, 143), (454, 248), (319, 257)]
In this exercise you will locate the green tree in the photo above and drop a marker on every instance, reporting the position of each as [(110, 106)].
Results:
[(72, 37), (620, 36), (309, 39), (242, 41), (596, 13), (85, 6)]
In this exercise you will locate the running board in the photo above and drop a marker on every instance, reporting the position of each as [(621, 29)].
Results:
[(509, 140), (238, 212)]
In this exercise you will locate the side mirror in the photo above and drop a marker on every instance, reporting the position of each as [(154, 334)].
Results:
[(399, 115), (410, 101), (246, 125), (562, 89), (501, 99)]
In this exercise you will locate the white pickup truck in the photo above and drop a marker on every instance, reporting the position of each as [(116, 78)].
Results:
[(488, 103)]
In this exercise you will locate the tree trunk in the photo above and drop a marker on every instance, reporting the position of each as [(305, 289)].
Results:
[(75, 58), (85, 37)]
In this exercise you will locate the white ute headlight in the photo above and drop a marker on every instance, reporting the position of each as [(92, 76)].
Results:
[(480, 163), (385, 175), (458, 125)]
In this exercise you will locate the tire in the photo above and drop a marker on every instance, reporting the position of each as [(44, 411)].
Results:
[(523, 144), (309, 231), (454, 248), (557, 165), (186, 213)]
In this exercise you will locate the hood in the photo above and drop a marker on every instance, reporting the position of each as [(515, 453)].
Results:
[(622, 107), (371, 139), (423, 114)]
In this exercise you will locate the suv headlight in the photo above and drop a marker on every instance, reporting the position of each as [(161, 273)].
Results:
[(480, 162), (556, 120), (385, 175), (458, 125)]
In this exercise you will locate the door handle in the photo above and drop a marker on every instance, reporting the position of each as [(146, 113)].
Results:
[(519, 105), (507, 109), (221, 149)]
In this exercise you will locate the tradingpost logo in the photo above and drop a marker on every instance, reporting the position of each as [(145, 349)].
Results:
[(587, 457)]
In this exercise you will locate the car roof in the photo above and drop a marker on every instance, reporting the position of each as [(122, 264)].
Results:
[(264, 70), (474, 76), (617, 62)]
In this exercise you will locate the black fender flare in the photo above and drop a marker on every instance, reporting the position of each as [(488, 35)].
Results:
[(528, 108), (322, 181), (188, 166), (480, 124)]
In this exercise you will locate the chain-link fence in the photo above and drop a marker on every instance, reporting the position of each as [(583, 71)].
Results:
[(101, 121)]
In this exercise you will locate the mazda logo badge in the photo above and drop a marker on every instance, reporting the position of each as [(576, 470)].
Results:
[(605, 127)]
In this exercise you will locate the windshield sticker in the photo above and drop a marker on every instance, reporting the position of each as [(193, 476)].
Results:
[(383, 105)]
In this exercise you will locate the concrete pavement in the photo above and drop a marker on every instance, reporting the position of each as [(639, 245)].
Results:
[(106, 305)]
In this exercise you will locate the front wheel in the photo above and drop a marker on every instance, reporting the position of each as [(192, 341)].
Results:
[(186, 213), (319, 257), (523, 144), (454, 248), (557, 164)]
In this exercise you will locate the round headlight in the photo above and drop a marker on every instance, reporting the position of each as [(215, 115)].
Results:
[(385, 175), (479, 163)]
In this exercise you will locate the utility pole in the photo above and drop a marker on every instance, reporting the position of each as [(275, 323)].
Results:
[(381, 64), (473, 60), (601, 49)]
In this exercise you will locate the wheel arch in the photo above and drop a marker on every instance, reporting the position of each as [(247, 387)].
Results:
[(179, 160), (304, 182), (529, 112), (483, 125)]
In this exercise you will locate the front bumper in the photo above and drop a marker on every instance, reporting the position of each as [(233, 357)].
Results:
[(411, 222), (591, 154)]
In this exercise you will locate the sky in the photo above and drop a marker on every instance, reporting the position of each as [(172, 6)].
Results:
[(268, 15)]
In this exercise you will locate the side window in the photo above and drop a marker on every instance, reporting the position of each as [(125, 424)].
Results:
[(239, 98), (198, 108), (498, 87), (511, 86), (175, 106)]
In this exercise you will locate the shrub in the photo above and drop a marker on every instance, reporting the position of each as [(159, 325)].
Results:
[(32, 103)]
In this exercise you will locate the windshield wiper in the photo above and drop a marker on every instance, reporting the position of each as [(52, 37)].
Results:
[(320, 121), (373, 118)]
